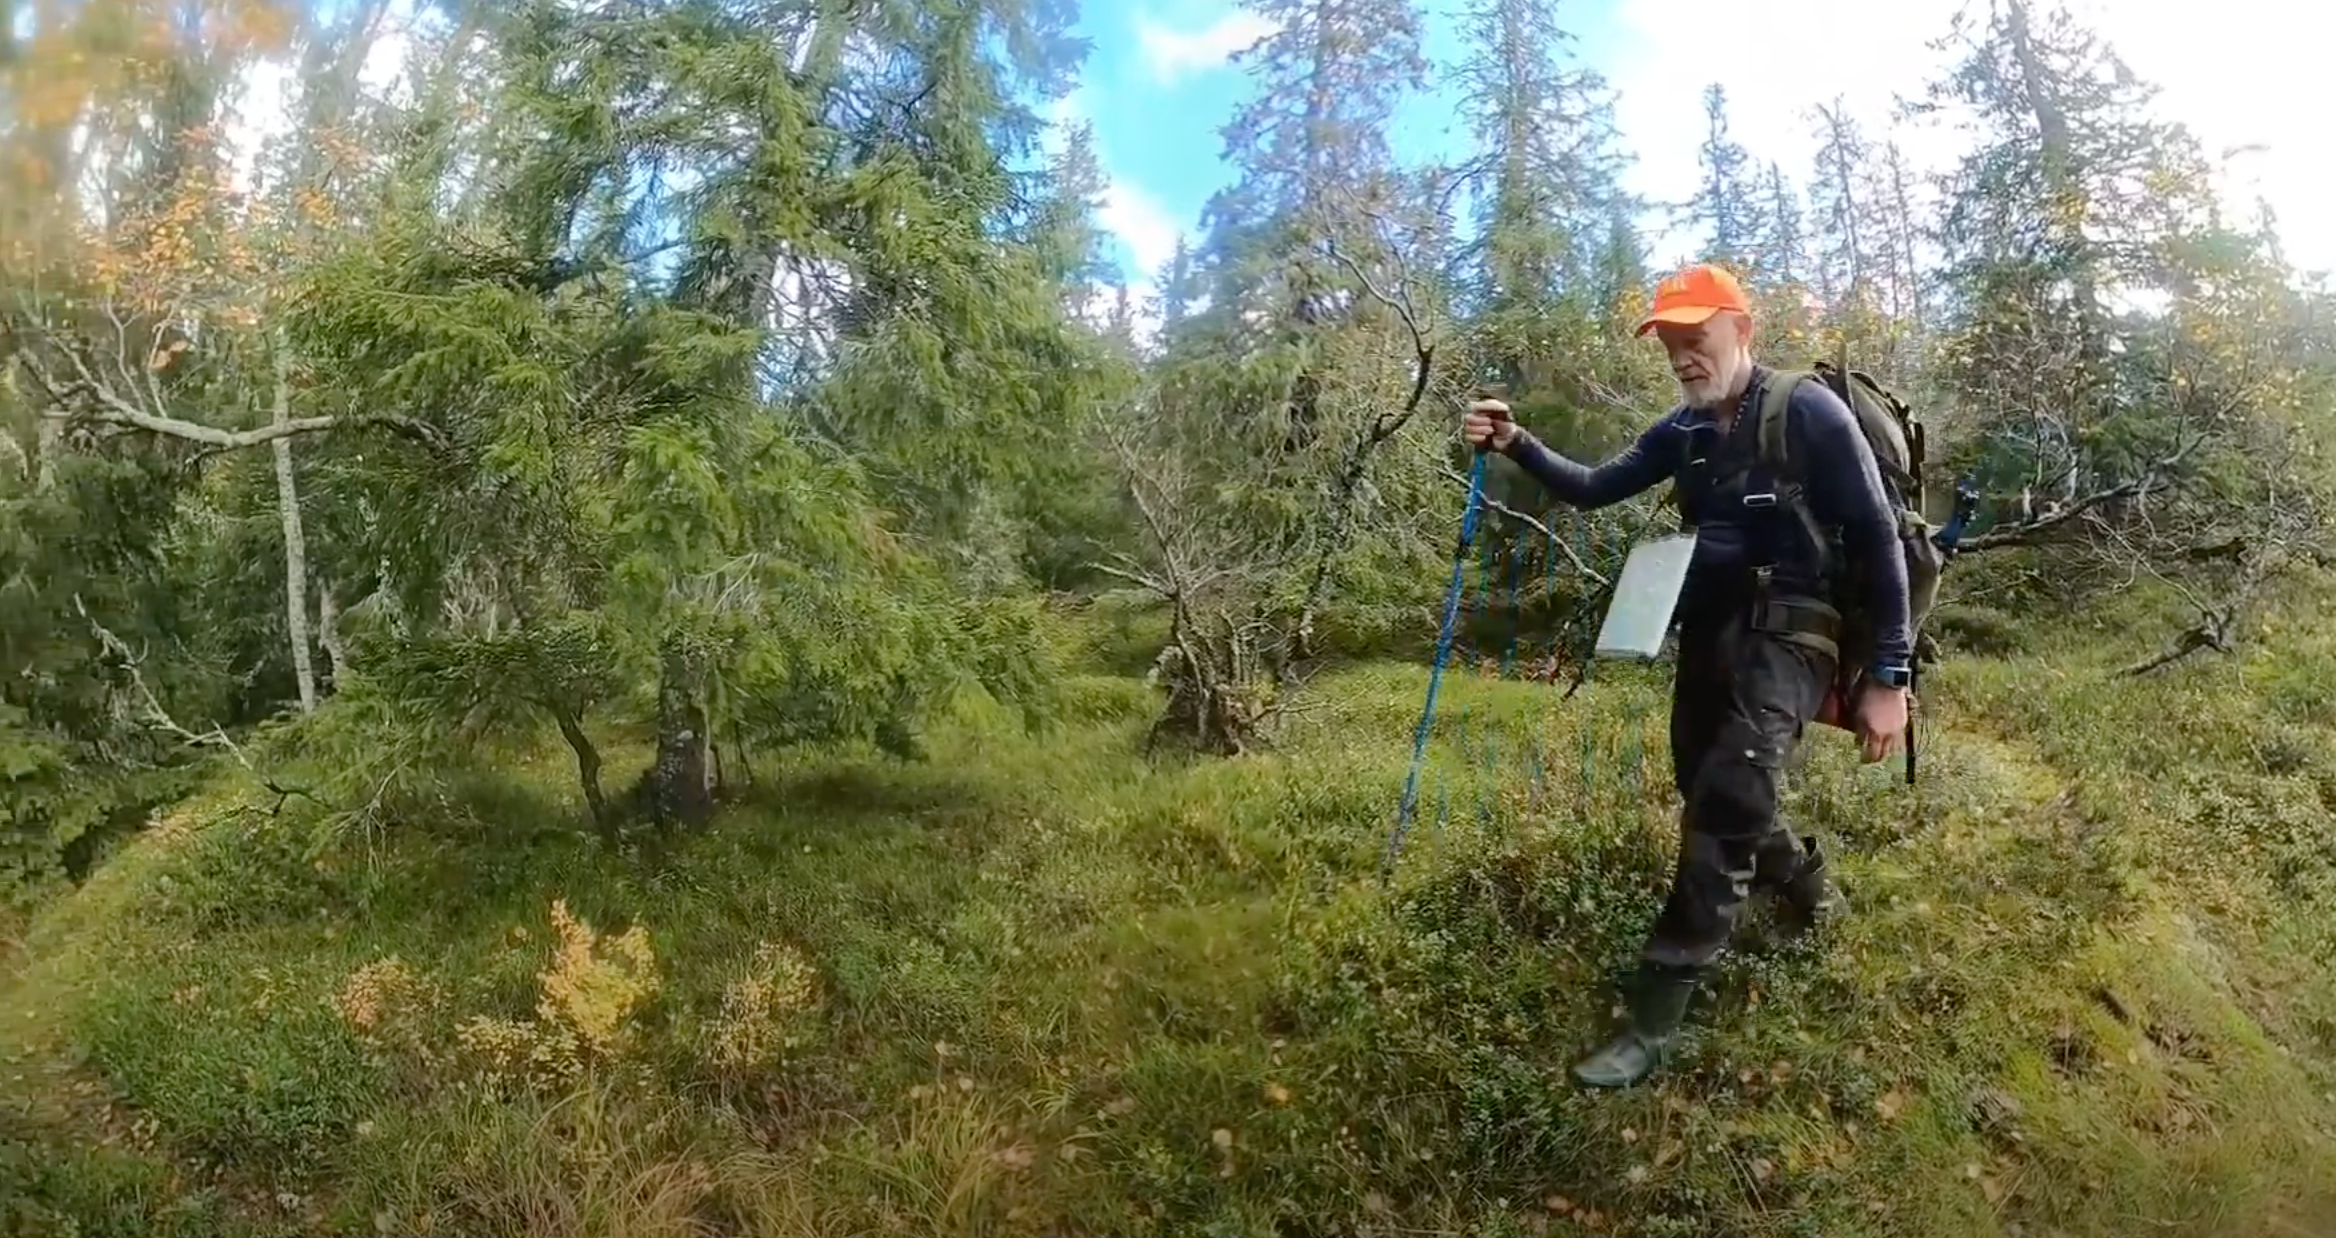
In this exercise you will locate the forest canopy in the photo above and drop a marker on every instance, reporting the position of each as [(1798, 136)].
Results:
[(760, 376)]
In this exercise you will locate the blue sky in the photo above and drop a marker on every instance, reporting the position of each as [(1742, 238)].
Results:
[(1158, 86)]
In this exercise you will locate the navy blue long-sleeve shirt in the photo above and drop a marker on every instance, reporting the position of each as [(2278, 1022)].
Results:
[(1840, 477)]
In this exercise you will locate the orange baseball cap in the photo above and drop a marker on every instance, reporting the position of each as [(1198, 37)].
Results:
[(1694, 295)]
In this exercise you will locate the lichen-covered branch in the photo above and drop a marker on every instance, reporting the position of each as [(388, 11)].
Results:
[(83, 396)]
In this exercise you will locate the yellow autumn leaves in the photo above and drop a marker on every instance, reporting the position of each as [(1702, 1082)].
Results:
[(88, 93), (589, 993), (759, 1024), (592, 991), (80, 58)]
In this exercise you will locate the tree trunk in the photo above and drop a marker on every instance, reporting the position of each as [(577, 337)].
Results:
[(680, 791), (587, 768), (295, 542), (1909, 268), (2067, 204), (1843, 157), (328, 634), (46, 449)]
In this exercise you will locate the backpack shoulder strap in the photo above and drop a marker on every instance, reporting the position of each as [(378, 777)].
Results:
[(1774, 451), (1775, 403)]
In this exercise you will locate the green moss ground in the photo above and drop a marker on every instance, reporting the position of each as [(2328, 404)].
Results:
[(1065, 990)]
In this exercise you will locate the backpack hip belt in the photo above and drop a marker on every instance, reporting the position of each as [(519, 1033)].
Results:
[(1791, 616)]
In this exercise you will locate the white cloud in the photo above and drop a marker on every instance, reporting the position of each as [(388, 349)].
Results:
[(1102, 304), (260, 105), (1175, 53), (261, 112), (1145, 228), (1063, 114), (1141, 224), (1146, 231), (392, 50), (2248, 75)]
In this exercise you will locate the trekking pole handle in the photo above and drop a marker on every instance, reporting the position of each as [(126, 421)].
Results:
[(1492, 401)]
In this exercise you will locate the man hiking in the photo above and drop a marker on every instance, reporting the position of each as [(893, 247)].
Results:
[(1758, 628)]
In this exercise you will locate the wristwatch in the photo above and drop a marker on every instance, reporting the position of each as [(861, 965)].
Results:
[(1891, 676)]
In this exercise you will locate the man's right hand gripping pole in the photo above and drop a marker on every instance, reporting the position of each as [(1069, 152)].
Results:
[(1487, 426)]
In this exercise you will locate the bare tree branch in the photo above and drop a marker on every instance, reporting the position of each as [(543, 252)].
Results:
[(2028, 532), (1387, 425), (2283, 538), (1563, 547), (1383, 427), (86, 397), (1142, 580), (155, 715)]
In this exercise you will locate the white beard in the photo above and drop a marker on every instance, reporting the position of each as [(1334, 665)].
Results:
[(1709, 393), (1704, 394)]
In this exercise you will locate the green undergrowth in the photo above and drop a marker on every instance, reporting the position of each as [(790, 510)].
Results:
[(1039, 984)]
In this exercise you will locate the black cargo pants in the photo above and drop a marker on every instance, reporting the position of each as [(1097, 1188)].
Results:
[(1748, 683)]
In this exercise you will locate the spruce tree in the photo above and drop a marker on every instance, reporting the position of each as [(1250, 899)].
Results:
[(1727, 201)]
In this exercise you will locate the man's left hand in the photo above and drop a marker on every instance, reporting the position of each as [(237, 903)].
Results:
[(1881, 719)]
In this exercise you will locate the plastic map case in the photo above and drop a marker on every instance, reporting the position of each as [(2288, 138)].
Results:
[(1639, 617)]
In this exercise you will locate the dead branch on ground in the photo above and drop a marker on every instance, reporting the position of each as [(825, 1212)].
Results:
[(152, 713)]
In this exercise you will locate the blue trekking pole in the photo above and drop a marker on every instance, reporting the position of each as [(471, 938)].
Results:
[(1444, 636)]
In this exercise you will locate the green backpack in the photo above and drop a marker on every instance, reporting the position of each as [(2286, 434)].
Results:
[(1896, 437)]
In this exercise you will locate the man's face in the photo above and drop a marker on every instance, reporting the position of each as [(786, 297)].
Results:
[(1708, 358)]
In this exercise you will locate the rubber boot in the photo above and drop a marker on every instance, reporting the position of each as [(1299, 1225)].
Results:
[(1658, 1005), (1809, 900)]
